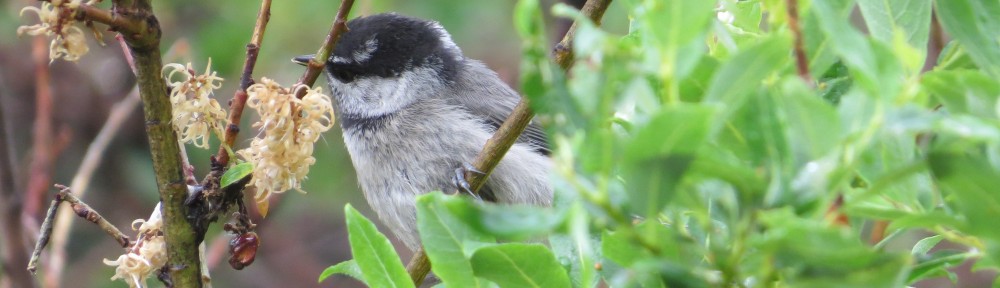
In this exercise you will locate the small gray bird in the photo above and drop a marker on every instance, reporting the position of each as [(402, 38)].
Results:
[(415, 112)]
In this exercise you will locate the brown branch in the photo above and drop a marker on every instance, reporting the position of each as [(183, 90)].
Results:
[(181, 237), (239, 100), (11, 231), (419, 266), (125, 25), (511, 129), (801, 60), (315, 65), (41, 157), (563, 51), (81, 209)]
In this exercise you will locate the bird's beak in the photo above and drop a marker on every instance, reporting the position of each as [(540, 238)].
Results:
[(303, 60)]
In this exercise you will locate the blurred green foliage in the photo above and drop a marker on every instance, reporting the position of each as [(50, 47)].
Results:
[(689, 153)]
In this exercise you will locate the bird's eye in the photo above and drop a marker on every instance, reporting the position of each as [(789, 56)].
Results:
[(343, 75)]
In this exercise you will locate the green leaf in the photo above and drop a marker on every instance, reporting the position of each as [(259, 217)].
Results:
[(505, 221), (813, 126), (617, 247), (974, 24), (743, 73), (887, 18), (816, 254), (926, 244), (661, 153), (937, 264), (235, 174), (445, 239), (972, 183), (349, 268), (519, 265), (846, 42), (964, 91), (375, 257)]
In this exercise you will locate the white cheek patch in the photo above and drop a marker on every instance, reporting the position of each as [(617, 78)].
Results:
[(375, 96), (365, 52), (340, 60)]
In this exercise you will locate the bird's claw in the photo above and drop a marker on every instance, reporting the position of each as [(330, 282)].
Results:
[(459, 179)]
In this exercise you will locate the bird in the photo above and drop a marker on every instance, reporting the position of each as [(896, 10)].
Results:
[(414, 111)]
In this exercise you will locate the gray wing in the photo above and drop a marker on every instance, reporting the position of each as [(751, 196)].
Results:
[(480, 90)]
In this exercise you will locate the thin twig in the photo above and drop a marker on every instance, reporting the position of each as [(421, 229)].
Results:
[(246, 79), (41, 157), (120, 112), (43, 238), (315, 65), (801, 60), (81, 209), (84, 211), (511, 129)]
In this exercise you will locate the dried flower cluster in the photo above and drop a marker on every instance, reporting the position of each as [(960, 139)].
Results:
[(146, 256), (195, 114), (57, 19), (289, 127)]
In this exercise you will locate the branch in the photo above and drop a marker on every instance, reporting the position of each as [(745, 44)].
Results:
[(246, 79), (801, 60), (41, 157), (181, 237), (512, 127), (315, 65), (81, 209), (563, 52)]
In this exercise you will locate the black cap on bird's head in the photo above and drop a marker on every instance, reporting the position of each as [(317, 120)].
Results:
[(386, 45)]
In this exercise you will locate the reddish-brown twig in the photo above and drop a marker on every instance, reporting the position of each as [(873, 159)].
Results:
[(239, 100), (41, 157), (801, 60), (315, 66)]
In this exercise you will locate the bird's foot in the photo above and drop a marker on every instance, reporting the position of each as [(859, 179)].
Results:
[(459, 179)]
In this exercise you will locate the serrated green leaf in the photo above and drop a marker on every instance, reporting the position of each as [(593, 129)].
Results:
[(349, 268), (235, 174), (445, 239), (373, 253), (519, 265)]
